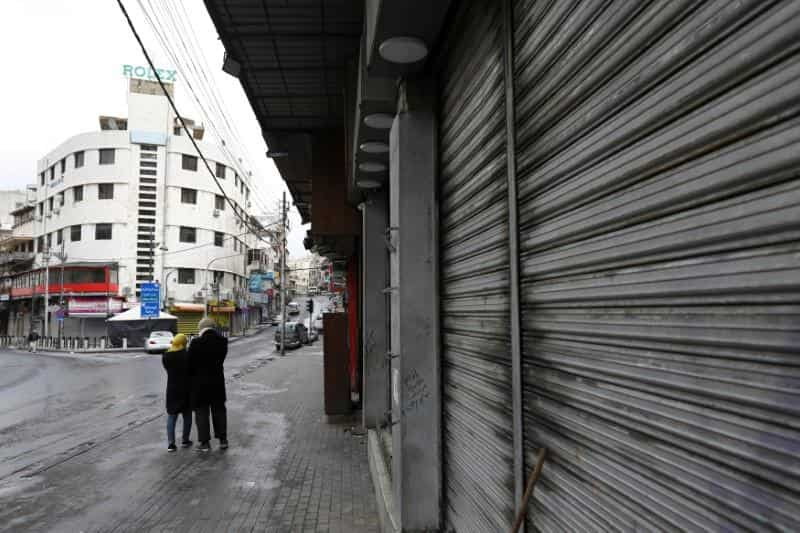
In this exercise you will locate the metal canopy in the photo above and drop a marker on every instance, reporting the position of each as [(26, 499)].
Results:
[(293, 56)]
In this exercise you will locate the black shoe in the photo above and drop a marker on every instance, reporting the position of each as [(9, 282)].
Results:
[(172, 448), (223, 444), (204, 447), (186, 444)]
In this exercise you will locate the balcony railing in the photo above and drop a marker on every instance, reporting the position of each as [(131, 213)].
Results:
[(15, 257)]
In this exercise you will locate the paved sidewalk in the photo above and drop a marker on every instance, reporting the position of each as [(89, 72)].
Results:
[(287, 470)]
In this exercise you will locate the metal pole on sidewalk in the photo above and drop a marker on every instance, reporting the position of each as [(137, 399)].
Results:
[(283, 275)]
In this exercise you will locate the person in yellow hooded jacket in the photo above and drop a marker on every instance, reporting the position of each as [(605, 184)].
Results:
[(176, 363)]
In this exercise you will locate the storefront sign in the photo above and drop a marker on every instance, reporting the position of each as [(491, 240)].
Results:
[(93, 307), (146, 73)]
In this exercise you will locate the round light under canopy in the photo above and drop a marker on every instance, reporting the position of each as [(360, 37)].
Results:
[(403, 50), (374, 147), (380, 121), (368, 184), (371, 166)]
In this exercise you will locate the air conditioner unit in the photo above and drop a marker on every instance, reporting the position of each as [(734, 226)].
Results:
[(216, 212), (198, 294)]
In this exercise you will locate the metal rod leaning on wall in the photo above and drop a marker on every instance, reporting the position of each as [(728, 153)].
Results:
[(523, 505), (513, 251)]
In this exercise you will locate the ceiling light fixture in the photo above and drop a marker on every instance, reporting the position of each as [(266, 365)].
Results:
[(368, 184), (371, 166), (374, 147), (380, 121), (403, 50)]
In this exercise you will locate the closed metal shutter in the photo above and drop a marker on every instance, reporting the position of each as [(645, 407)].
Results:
[(476, 373), (187, 321), (658, 151)]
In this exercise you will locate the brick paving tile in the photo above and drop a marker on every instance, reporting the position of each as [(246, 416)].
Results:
[(286, 470)]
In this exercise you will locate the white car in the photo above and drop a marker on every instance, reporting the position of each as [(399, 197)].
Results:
[(312, 331), (318, 322), (159, 341)]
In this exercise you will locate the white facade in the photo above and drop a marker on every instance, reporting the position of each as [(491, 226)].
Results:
[(153, 197), (9, 201)]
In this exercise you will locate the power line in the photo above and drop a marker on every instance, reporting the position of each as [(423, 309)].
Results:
[(163, 33), (183, 123)]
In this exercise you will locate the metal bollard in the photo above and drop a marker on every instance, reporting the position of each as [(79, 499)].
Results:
[(103, 343), (124, 343)]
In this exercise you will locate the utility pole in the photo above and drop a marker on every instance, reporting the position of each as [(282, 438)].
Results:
[(46, 260), (152, 253), (63, 258), (283, 275)]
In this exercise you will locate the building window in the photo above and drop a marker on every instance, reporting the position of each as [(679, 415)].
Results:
[(218, 238), (49, 240), (220, 173), (50, 204), (176, 130), (147, 172), (41, 208), (61, 199), (77, 193), (106, 156), (236, 181), (102, 232), (188, 196), (148, 156), (41, 181), (40, 243), (149, 148), (79, 159), (235, 244), (149, 164), (219, 202), (105, 191), (186, 276), (52, 173), (75, 233), (63, 165), (188, 162), (188, 234), (60, 236)]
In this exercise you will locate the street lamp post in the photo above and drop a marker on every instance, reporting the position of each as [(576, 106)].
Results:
[(205, 293)]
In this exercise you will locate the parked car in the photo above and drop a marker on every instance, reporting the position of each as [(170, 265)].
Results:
[(293, 308), (312, 331), (158, 341), (276, 320), (296, 335), (318, 322)]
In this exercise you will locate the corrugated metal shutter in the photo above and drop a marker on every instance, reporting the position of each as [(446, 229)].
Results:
[(187, 321), (476, 372), (658, 153)]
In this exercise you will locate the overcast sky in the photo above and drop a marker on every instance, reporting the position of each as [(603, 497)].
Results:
[(62, 68)]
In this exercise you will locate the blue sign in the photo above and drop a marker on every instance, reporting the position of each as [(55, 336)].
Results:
[(151, 297)]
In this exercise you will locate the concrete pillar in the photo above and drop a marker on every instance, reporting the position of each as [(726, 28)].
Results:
[(374, 332), (416, 403)]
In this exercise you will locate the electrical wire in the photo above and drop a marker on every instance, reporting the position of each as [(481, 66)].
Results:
[(230, 202), (210, 93)]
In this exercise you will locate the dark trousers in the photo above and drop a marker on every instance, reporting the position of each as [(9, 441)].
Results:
[(219, 416)]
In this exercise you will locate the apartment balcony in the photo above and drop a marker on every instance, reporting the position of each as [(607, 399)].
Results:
[(7, 258)]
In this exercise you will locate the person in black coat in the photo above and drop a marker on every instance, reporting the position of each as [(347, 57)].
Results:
[(207, 354), (176, 363)]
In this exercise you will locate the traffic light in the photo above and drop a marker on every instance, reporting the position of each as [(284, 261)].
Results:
[(310, 305)]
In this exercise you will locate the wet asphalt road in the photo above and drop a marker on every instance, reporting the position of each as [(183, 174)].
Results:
[(53, 407)]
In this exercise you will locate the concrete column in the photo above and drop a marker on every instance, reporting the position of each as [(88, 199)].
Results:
[(374, 332), (416, 434)]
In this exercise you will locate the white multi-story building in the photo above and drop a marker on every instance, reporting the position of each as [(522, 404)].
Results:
[(135, 197)]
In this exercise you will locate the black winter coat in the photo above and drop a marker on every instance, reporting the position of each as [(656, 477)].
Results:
[(177, 366), (206, 357)]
